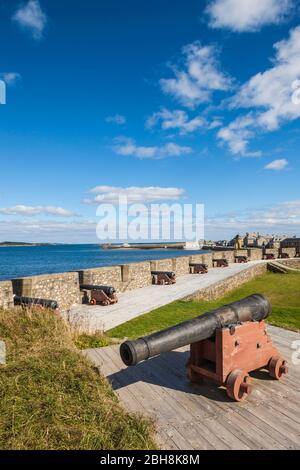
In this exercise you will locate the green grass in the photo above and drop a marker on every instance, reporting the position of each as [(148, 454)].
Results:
[(52, 398), (282, 290), (85, 341)]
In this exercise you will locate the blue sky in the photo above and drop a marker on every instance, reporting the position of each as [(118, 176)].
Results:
[(197, 99)]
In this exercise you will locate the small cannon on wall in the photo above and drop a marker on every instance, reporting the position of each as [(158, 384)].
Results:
[(198, 268), (35, 302), (98, 295), (269, 256), (220, 263), (226, 344), (283, 255), (161, 278), (241, 259)]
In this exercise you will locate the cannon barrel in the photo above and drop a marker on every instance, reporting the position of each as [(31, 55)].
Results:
[(109, 290), (253, 308), (31, 301), (168, 273), (199, 264)]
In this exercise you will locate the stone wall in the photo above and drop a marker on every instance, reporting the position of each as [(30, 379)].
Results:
[(196, 258), (271, 251), (135, 275), (255, 254), (207, 259), (107, 276), (290, 251), (204, 258), (6, 295), (162, 265), (227, 254), (293, 263), (221, 288), (64, 288), (241, 253), (181, 265)]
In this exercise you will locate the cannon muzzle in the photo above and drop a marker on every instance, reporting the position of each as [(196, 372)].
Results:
[(253, 308)]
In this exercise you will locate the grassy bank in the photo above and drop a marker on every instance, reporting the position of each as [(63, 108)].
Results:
[(51, 398), (282, 290)]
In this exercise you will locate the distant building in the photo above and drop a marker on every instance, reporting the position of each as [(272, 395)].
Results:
[(222, 243), (209, 243), (256, 240), (293, 242), (237, 242)]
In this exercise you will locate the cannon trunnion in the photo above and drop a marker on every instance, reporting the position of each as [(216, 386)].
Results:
[(226, 344)]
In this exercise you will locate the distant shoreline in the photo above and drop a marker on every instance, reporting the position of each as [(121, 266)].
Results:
[(12, 245)]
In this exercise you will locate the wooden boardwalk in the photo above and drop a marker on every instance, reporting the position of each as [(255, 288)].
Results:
[(198, 417)]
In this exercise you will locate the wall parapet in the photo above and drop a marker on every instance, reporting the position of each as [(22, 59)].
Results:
[(62, 287), (6, 295), (219, 289)]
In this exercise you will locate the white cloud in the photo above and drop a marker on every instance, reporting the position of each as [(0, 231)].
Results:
[(127, 147), (170, 120), (237, 136), (36, 230), (116, 119), (270, 95), (37, 210), (32, 18), (277, 165), (272, 91), (111, 194), (279, 218), (10, 78), (198, 78), (247, 15), (215, 123)]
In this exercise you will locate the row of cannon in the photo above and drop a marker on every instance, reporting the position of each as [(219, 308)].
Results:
[(106, 295)]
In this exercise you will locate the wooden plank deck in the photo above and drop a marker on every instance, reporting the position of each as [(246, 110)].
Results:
[(198, 417)]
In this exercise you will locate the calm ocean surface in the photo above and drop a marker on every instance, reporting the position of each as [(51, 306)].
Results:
[(28, 261)]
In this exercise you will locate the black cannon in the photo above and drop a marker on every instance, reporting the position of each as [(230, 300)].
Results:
[(226, 344), (241, 259), (198, 268), (161, 278), (32, 302), (269, 256), (220, 263), (99, 295)]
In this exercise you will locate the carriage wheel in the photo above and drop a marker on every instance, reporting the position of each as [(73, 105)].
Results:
[(277, 367), (238, 385), (93, 302)]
